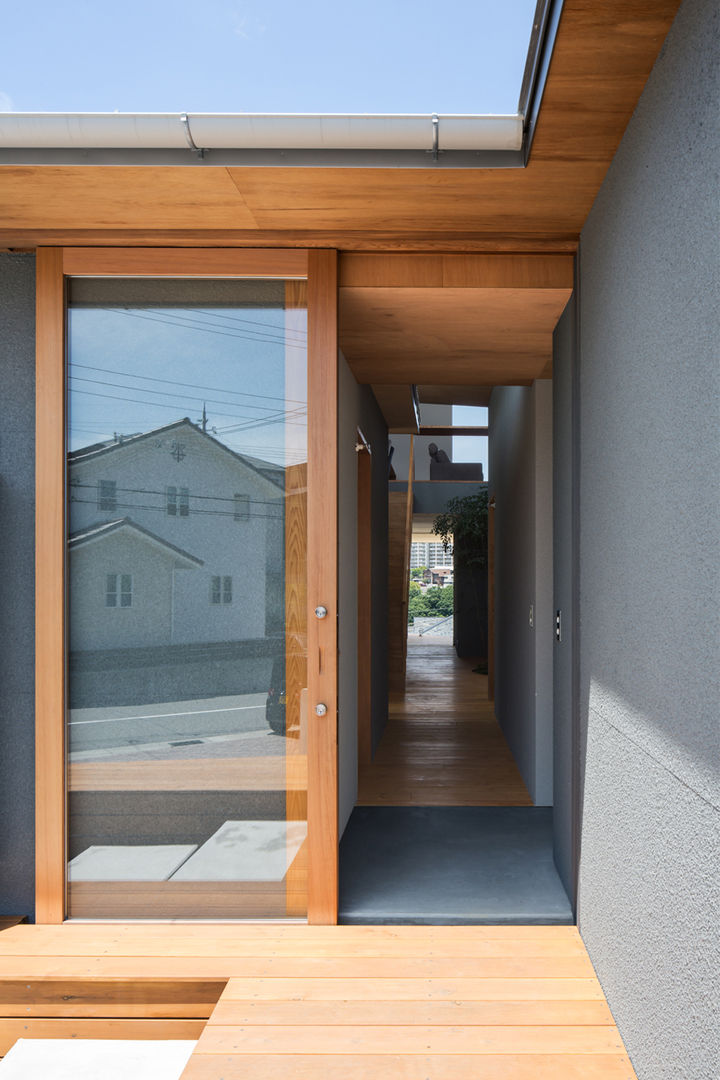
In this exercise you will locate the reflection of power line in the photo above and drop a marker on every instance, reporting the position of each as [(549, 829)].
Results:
[(204, 329), (276, 331), (283, 417), (192, 386), (75, 486), (185, 397), (192, 512)]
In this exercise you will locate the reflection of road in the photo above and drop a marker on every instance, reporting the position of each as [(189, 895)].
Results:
[(167, 723)]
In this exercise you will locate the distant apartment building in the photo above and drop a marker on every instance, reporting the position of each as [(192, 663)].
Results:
[(430, 555)]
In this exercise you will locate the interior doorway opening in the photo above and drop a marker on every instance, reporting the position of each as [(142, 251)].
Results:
[(445, 829)]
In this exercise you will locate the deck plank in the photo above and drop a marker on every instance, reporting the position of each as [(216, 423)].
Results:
[(337, 1002), (409, 1067)]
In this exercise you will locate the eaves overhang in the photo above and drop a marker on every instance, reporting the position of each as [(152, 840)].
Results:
[(335, 140)]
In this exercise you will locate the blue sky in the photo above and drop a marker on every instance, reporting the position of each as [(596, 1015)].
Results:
[(274, 56), (133, 369)]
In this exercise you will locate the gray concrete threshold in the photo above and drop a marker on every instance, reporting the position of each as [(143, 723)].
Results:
[(450, 865)]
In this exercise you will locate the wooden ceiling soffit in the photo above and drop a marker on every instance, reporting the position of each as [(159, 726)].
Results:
[(473, 337), (398, 407), (454, 395), (603, 55), (491, 271), (92, 197)]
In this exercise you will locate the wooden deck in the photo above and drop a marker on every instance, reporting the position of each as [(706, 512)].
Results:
[(442, 745), (338, 1003)]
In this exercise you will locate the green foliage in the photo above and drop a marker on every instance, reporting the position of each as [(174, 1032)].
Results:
[(434, 602), (465, 523), (417, 572)]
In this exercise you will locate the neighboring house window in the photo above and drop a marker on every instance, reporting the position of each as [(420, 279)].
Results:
[(118, 590), (178, 501), (221, 589), (242, 507), (107, 495)]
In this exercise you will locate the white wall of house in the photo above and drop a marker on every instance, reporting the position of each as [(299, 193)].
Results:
[(148, 619), (249, 551)]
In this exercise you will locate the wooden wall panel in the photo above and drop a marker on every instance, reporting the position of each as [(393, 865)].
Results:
[(322, 587), (174, 262), (364, 600), (295, 666), (50, 590)]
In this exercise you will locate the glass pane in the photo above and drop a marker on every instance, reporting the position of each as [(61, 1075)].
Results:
[(187, 464)]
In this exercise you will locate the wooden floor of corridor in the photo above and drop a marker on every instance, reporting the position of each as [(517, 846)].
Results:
[(442, 745), (295, 1002)]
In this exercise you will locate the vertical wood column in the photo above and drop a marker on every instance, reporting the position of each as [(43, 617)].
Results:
[(50, 812), (364, 601), (491, 600), (322, 587)]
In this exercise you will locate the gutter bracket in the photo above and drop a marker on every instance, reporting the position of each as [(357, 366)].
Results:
[(435, 137), (185, 121)]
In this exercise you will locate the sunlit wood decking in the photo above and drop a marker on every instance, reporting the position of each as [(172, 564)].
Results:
[(337, 1003), (442, 745)]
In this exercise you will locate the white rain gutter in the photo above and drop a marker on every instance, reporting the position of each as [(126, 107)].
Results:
[(266, 131)]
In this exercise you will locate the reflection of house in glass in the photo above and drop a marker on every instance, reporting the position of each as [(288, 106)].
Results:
[(176, 541)]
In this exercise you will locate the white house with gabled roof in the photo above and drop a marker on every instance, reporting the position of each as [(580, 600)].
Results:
[(178, 540)]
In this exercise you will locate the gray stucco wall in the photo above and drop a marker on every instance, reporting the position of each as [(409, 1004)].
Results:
[(17, 584), (357, 408), (649, 593), (520, 442), (564, 574)]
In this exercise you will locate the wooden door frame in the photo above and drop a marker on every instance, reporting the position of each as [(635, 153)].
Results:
[(53, 266)]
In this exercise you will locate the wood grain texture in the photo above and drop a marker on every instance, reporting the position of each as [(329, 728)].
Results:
[(416, 1066), (322, 586), (474, 336), (120, 998), (396, 405), (278, 773), (442, 745), (295, 667), (602, 57), (497, 271), (409, 1002), (50, 589), (106, 1028), (419, 243), (174, 262), (399, 541), (364, 601), (491, 600)]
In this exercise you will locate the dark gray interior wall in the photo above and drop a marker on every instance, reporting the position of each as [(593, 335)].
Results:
[(649, 591), (17, 583), (520, 444), (563, 574), (357, 408)]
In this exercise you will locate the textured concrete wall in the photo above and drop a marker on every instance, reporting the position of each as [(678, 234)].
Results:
[(17, 583), (564, 568), (649, 590), (520, 422), (357, 408)]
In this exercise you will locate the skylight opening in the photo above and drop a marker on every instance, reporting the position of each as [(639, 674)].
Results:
[(410, 56)]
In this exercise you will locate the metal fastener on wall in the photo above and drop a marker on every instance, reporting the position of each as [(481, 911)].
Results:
[(320, 611), (321, 709)]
